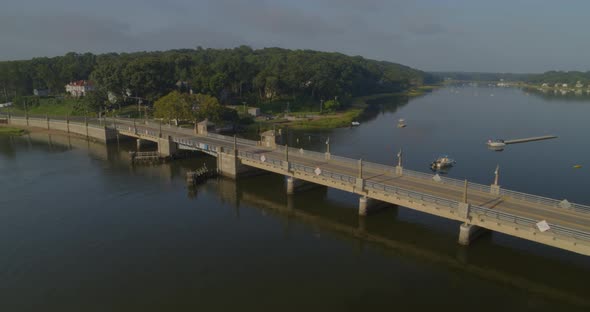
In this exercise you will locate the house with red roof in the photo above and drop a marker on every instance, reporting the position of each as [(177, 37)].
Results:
[(79, 88)]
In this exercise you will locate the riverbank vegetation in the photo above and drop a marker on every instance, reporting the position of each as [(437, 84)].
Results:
[(11, 131), (276, 80)]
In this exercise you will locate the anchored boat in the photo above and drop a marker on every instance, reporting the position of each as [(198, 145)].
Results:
[(401, 123), (355, 123), (442, 162)]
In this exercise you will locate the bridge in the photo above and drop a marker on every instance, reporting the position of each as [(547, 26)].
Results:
[(552, 222)]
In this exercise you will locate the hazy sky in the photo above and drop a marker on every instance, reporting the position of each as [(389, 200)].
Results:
[(435, 35)]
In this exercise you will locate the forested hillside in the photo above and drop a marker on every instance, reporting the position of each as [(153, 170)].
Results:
[(231, 75)]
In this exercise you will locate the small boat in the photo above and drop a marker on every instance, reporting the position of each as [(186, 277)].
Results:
[(577, 166), (442, 162), (401, 123), (355, 123)]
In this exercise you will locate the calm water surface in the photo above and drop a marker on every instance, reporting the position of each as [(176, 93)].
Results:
[(83, 230)]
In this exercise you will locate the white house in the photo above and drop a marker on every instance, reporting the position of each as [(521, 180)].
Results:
[(579, 84), (79, 88)]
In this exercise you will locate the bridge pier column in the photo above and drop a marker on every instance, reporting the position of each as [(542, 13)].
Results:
[(167, 147), (290, 185), (468, 233), (294, 185), (369, 205)]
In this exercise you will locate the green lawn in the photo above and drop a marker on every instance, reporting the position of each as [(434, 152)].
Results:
[(67, 107), (49, 106)]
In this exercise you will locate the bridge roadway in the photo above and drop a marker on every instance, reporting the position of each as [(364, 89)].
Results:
[(504, 211)]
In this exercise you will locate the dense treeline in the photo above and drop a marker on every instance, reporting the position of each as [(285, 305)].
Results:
[(231, 75), (569, 77)]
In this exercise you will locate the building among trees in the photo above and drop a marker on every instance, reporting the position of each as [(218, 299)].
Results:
[(79, 88)]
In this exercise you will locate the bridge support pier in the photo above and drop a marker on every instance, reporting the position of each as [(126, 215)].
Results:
[(230, 166), (368, 205), (294, 185), (468, 233), (166, 147)]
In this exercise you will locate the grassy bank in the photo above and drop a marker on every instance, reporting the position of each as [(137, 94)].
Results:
[(354, 112), (11, 131)]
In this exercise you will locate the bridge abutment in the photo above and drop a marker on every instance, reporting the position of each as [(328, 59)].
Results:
[(468, 233)]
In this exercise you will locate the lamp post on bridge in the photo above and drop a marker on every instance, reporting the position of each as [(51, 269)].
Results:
[(287, 153), (360, 169), (328, 156), (465, 192), (399, 169), (496, 174), (495, 188)]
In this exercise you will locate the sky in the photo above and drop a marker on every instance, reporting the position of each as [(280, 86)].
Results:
[(521, 36)]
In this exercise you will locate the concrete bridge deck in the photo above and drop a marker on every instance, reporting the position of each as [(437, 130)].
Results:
[(488, 207)]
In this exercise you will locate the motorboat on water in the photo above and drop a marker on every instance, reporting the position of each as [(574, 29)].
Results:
[(442, 162), (401, 123), (355, 123)]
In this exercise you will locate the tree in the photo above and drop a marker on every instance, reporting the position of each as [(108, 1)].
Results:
[(331, 105), (173, 106)]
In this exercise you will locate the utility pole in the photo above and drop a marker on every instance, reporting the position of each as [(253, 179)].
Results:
[(321, 105)]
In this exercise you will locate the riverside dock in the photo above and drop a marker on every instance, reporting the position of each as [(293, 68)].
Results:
[(539, 138)]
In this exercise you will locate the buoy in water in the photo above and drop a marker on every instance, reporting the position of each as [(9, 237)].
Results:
[(577, 166)]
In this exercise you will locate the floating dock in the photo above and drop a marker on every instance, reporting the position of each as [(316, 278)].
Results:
[(146, 157), (540, 138)]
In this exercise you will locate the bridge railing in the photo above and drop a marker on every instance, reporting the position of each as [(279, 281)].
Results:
[(476, 211), (301, 152), (544, 201), (394, 190)]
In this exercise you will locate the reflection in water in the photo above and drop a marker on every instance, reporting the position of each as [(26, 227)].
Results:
[(508, 267)]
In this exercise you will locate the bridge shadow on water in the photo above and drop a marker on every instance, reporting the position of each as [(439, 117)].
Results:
[(491, 258)]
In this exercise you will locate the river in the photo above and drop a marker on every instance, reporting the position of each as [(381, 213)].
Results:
[(81, 229)]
